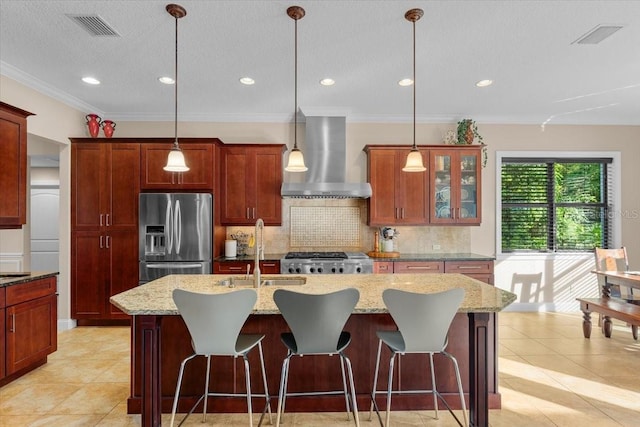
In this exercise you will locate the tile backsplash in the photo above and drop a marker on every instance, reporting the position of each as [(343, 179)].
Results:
[(341, 224)]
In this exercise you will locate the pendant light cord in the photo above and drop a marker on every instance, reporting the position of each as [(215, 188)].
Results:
[(414, 85), (295, 88), (175, 92)]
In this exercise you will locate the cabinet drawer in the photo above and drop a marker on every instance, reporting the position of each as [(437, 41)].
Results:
[(383, 267), (418, 267), (270, 267), (30, 290), (469, 267)]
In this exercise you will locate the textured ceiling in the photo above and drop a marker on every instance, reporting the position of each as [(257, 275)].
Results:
[(526, 47)]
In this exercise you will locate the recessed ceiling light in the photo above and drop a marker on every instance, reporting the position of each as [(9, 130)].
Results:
[(405, 82), (484, 83), (327, 82), (91, 80), (247, 81), (166, 80)]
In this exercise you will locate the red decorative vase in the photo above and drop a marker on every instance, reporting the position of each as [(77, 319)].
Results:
[(93, 123), (108, 127)]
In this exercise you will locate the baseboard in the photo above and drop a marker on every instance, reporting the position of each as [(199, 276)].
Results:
[(66, 324)]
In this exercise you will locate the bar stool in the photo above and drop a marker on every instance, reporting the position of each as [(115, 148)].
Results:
[(316, 323), (423, 322), (214, 322)]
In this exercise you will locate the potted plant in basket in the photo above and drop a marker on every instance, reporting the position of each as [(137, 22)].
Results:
[(467, 133)]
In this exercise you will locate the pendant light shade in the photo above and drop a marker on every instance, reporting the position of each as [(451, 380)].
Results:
[(175, 160), (414, 158), (296, 159)]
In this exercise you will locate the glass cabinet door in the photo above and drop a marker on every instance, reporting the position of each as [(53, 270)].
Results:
[(469, 170), (441, 207)]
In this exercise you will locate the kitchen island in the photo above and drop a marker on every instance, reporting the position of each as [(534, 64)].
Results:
[(160, 341)]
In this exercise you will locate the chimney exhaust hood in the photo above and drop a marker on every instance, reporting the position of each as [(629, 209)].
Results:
[(325, 154)]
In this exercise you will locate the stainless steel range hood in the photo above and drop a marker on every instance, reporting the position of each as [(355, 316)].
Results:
[(325, 156)]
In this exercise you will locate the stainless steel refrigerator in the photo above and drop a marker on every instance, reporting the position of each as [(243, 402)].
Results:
[(176, 231)]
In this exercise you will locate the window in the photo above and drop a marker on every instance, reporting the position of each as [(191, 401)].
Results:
[(555, 204)]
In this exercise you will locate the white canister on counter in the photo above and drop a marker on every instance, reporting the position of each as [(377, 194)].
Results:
[(387, 245), (230, 248)]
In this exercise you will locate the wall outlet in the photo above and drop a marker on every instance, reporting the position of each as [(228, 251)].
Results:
[(436, 247)]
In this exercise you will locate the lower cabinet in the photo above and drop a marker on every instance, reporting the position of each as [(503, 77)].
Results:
[(479, 270), (240, 267), (28, 327), (102, 264)]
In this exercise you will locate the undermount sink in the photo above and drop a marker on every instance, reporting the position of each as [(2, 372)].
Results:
[(266, 281)]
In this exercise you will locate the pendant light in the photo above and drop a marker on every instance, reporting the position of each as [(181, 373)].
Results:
[(296, 160), (414, 159), (175, 160)]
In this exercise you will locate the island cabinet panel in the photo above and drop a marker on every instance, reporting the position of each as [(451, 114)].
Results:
[(309, 373), (13, 173), (418, 267), (199, 157), (398, 198), (28, 326), (455, 178), (251, 178)]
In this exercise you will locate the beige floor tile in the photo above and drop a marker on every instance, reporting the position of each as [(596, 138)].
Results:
[(525, 346), (519, 418), (94, 398), (69, 371), (118, 417), (16, 420), (36, 399), (66, 421)]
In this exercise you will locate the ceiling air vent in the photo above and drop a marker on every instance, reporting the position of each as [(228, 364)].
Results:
[(598, 34), (94, 25)]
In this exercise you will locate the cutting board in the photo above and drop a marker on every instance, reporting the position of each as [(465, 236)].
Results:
[(374, 254)]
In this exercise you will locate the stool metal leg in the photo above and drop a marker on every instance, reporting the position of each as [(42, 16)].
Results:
[(433, 386), (389, 386), (284, 375), (206, 389), (375, 380), (178, 385), (344, 386), (460, 391), (266, 388), (354, 404), (248, 385)]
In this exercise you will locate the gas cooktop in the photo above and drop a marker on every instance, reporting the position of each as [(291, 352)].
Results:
[(325, 263)]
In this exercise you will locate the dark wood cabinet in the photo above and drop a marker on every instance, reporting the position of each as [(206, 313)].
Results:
[(29, 326), (251, 178), (478, 269), (398, 198), (105, 184), (13, 173), (240, 267), (199, 158), (455, 177)]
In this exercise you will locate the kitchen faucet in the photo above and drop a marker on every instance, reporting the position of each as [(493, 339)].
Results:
[(259, 232)]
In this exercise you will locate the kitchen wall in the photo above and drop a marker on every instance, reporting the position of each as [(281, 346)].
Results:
[(547, 278)]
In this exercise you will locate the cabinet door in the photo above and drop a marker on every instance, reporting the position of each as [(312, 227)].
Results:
[(199, 158), (270, 267), (382, 177), (88, 185), (31, 332), (411, 192), (3, 372), (455, 179), (418, 267), (265, 187), (479, 270), (234, 203), (232, 267), (383, 267), (13, 173), (88, 281), (123, 266), (123, 183)]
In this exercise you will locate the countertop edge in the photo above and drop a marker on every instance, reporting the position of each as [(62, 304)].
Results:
[(6, 282)]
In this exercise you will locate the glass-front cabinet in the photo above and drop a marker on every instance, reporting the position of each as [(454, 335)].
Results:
[(454, 179)]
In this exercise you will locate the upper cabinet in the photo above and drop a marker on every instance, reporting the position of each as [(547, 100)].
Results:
[(455, 182), (199, 158), (398, 198), (250, 182), (105, 181), (448, 193), (13, 173)]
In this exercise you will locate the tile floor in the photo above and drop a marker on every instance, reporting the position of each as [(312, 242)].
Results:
[(549, 376)]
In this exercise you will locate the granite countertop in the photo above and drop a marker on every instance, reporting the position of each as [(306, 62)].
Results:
[(16, 278), (155, 298), (436, 256)]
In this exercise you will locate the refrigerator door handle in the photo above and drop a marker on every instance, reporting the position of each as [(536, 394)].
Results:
[(169, 227), (174, 265), (178, 226)]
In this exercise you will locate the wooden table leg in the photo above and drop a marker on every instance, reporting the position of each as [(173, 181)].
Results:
[(608, 326), (150, 350), (478, 369), (586, 323)]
